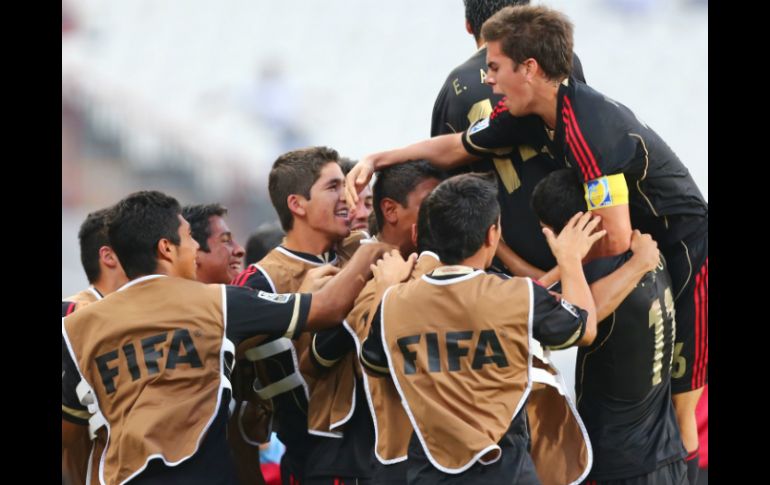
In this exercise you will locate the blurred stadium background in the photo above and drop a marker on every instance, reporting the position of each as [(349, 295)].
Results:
[(197, 98)]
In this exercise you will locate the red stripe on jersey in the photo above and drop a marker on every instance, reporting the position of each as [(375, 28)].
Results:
[(575, 149), (70, 308), (705, 323), (696, 298), (700, 327), (243, 276), (593, 164), (703, 328), (499, 108)]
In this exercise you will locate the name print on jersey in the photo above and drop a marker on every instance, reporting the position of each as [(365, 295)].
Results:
[(181, 340), (485, 342)]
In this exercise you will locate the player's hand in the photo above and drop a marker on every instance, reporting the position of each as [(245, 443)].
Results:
[(576, 239), (316, 278), (645, 249), (356, 180), (392, 268)]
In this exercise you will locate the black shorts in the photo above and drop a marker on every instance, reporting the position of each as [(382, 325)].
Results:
[(688, 265), (394, 474), (292, 470), (672, 474), (514, 466)]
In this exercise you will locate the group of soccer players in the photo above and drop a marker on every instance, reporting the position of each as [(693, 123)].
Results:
[(419, 354)]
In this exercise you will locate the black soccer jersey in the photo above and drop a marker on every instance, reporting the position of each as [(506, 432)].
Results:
[(465, 98), (622, 380), (290, 407), (67, 307), (598, 137)]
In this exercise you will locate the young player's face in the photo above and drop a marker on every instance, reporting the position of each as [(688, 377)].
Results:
[(327, 211), (185, 252), (509, 79), (363, 209), (224, 260)]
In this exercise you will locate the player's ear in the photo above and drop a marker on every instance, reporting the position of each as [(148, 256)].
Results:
[(389, 208), (296, 204)]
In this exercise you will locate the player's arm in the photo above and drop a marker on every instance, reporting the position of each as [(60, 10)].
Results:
[(516, 263), (329, 346), (551, 277), (445, 152), (556, 323), (607, 196), (570, 247), (610, 291), (332, 303)]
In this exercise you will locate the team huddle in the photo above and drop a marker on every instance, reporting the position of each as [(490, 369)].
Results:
[(542, 215)]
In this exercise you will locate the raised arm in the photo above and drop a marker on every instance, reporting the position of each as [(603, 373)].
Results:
[(444, 152), (569, 248)]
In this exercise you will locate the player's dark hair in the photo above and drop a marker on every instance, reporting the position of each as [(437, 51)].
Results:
[(137, 224), (460, 211), (295, 172), (536, 32), (398, 181), (198, 217), (92, 236), (558, 197), (478, 11)]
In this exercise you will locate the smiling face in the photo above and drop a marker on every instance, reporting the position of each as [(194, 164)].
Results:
[(224, 259), (509, 79), (326, 209)]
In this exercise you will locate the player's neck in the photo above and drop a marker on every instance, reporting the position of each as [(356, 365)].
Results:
[(306, 240), (478, 260), (546, 102), (390, 235), (107, 284)]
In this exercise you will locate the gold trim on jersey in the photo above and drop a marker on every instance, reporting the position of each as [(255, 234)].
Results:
[(372, 366), (294, 316), (321, 360), (75, 412), (569, 341)]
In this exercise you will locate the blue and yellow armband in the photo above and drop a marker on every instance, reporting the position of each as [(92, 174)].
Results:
[(607, 191)]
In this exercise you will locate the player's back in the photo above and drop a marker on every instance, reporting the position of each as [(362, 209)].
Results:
[(623, 379)]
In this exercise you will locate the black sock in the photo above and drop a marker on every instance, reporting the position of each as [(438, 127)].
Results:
[(692, 461)]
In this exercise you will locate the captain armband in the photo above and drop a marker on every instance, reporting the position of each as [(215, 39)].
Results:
[(606, 191)]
